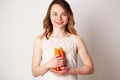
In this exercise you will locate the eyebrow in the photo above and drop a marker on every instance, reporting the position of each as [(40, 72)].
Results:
[(62, 12)]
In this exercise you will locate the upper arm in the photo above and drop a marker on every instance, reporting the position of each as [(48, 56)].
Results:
[(83, 52), (37, 52)]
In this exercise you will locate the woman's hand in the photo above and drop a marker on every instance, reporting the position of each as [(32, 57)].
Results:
[(59, 62), (56, 61), (64, 71)]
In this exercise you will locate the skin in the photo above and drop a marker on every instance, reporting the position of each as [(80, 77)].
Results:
[(59, 19)]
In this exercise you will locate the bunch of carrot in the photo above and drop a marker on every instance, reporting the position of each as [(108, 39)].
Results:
[(59, 52)]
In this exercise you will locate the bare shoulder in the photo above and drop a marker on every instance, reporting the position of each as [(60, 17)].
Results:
[(78, 38), (79, 41), (38, 40)]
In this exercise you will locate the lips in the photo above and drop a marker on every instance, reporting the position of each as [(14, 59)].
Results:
[(59, 23)]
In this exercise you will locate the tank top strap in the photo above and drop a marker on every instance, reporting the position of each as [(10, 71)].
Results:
[(74, 41)]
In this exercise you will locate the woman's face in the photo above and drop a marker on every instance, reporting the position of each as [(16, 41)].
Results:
[(58, 16)]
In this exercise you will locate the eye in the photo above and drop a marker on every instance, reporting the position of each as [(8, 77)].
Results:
[(64, 14), (54, 14)]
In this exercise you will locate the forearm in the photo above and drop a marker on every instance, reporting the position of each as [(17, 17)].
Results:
[(40, 70), (84, 70)]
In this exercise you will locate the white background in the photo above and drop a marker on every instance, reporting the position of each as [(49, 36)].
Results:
[(97, 21)]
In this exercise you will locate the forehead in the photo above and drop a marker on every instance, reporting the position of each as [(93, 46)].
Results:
[(57, 8)]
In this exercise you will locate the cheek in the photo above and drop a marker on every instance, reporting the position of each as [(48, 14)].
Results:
[(52, 19), (66, 20)]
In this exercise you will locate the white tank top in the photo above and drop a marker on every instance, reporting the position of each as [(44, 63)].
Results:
[(69, 47)]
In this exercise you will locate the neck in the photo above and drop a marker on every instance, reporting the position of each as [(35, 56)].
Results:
[(58, 32)]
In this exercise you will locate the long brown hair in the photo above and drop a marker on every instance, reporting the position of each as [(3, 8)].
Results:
[(47, 25)]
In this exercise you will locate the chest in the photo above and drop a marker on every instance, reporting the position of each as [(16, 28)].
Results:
[(68, 46)]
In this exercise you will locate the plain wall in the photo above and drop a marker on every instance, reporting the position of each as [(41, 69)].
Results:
[(97, 21)]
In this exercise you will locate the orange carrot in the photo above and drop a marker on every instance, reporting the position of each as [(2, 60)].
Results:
[(62, 55), (56, 52), (59, 52)]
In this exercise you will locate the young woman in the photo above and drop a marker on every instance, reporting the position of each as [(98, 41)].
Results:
[(60, 33)]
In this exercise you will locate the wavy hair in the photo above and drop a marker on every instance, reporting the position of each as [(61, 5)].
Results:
[(47, 25)]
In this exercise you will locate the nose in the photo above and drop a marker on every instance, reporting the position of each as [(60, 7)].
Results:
[(59, 17)]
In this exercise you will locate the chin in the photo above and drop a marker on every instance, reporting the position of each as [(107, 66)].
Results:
[(60, 26)]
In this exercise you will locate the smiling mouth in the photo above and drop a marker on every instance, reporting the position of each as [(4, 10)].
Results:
[(59, 23)]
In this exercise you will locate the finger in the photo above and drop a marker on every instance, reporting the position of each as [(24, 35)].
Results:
[(52, 69), (57, 56), (61, 58), (59, 65), (62, 72), (62, 62)]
